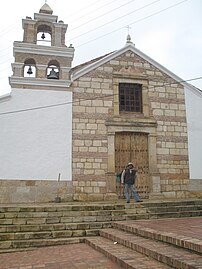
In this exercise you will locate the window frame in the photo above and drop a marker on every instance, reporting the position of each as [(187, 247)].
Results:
[(130, 97)]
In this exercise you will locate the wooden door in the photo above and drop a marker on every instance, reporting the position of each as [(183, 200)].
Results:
[(133, 147)]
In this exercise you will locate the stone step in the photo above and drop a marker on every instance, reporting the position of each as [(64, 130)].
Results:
[(47, 234), (160, 251), (123, 256), (136, 216), (51, 221), (168, 203), (171, 214), (176, 208), (52, 207), (53, 227), (181, 241), (120, 205), (67, 220), (43, 214), (17, 245)]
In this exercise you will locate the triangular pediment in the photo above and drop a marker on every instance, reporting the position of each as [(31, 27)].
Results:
[(130, 47)]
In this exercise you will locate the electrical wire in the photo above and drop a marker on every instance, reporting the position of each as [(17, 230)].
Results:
[(8, 60), (93, 10), (142, 19), (98, 97), (86, 7), (10, 27), (103, 15), (120, 27), (95, 29), (91, 20)]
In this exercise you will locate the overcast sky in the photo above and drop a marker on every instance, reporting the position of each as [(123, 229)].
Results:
[(169, 31)]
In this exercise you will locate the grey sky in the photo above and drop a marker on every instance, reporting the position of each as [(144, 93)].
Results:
[(169, 31)]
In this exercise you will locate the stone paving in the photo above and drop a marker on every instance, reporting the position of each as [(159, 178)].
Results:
[(75, 256), (190, 227), (81, 256)]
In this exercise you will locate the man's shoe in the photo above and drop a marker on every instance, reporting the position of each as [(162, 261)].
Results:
[(139, 201), (128, 202)]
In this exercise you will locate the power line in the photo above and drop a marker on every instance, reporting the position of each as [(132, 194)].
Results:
[(8, 60), (86, 7), (114, 20), (153, 14), (8, 29), (12, 26), (142, 19), (103, 15), (92, 11), (83, 100), (7, 48)]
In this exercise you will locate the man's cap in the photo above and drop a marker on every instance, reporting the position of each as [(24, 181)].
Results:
[(130, 164)]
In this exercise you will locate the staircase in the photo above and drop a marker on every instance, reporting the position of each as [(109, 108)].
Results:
[(30, 226), (175, 209), (132, 246)]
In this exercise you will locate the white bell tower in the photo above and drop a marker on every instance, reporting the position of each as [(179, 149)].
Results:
[(42, 60)]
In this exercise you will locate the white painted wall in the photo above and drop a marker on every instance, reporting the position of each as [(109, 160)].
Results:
[(36, 144), (194, 124)]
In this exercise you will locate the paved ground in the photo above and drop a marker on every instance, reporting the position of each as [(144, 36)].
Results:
[(190, 227), (81, 256), (75, 256)]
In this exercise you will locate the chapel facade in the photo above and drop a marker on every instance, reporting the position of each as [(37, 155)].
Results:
[(129, 109), (125, 107)]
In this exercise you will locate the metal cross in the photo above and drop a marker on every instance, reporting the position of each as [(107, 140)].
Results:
[(128, 27)]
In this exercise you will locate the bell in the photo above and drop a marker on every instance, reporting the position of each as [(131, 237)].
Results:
[(53, 74), (29, 71), (43, 36)]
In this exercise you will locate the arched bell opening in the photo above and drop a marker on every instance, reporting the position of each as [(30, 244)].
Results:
[(44, 35), (29, 68), (53, 70)]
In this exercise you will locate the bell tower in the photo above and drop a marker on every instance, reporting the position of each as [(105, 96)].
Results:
[(42, 60)]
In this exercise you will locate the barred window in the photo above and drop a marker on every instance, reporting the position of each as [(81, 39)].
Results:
[(130, 97)]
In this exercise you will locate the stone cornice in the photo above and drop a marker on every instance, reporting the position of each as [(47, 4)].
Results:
[(20, 47), (34, 82), (45, 17)]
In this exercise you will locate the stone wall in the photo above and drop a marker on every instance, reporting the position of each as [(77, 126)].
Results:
[(96, 102), (34, 191), (90, 138)]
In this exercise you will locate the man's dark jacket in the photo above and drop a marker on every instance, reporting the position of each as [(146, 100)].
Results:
[(129, 177)]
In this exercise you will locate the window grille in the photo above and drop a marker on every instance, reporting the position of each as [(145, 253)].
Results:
[(130, 97)]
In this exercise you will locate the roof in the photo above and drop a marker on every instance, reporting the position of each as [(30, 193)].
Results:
[(46, 9), (91, 65), (79, 67)]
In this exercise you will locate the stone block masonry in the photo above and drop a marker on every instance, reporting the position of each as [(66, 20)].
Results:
[(95, 103), (34, 191)]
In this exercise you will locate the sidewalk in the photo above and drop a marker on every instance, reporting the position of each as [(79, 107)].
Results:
[(81, 256)]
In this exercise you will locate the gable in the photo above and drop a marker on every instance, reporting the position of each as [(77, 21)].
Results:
[(131, 48)]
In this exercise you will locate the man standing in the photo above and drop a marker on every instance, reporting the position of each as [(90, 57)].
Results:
[(128, 178)]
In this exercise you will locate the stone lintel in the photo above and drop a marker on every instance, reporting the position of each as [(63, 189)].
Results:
[(131, 123)]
